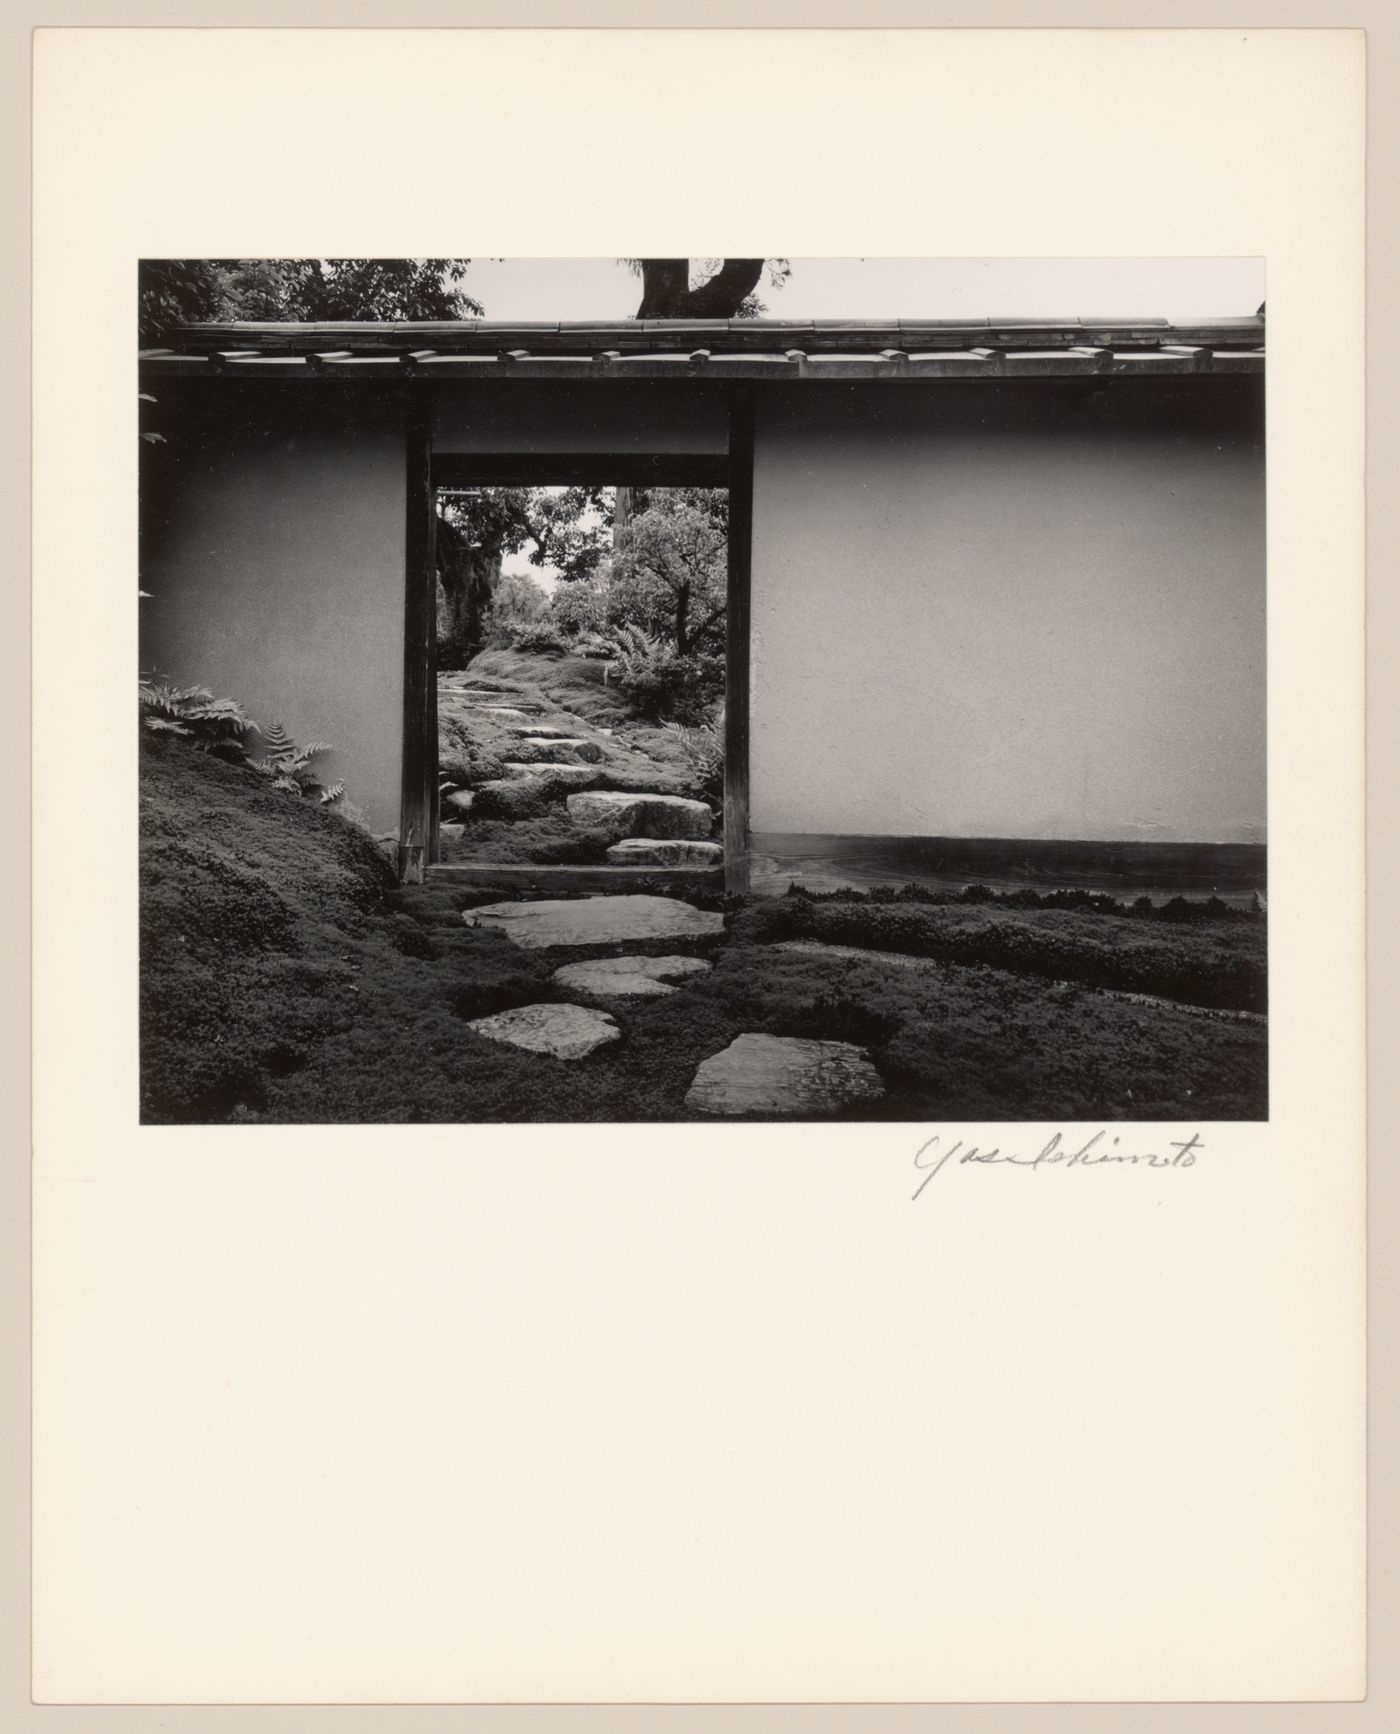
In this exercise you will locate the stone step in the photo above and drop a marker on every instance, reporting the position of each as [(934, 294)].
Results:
[(759, 1074), (566, 1032), (545, 772), (642, 815), (566, 747), (628, 977), (665, 852), (600, 920)]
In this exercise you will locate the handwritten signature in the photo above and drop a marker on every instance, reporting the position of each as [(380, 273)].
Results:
[(1094, 1152)]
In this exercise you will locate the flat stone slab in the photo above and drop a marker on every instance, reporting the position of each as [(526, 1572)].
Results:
[(665, 852), (507, 711), (567, 1032), (540, 769), (783, 1075), (599, 920), (628, 977), (644, 815), (565, 747), (541, 732)]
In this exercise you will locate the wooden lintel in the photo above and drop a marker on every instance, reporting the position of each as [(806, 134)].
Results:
[(600, 469)]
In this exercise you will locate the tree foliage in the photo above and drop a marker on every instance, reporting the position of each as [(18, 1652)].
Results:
[(572, 529), (669, 569), (569, 529), (182, 291)]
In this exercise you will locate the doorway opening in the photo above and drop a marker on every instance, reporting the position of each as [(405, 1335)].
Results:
[(580, 622)]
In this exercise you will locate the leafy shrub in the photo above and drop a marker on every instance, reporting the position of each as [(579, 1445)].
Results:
[(579, 609), (1182, 909), (659, 683), (537, 640)]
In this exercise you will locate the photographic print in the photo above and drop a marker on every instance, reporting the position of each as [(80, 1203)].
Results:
[(702, 689)]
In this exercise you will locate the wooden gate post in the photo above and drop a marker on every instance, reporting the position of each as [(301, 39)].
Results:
[(418, 796), (736, 673)]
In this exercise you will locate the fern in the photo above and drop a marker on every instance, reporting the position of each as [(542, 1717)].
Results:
[(215, 724), (703, 746), (221, 726), (289, 765)]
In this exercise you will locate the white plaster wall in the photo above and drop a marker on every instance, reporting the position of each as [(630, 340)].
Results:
[(275, 566), (1008, 616), (532, 416)]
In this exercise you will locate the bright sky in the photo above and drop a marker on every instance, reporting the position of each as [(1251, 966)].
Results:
[(900, 288)]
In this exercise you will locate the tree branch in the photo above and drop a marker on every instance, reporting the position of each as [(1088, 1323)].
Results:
[(720, 298), (666, 293)]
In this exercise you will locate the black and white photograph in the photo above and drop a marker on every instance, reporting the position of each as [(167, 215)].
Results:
[(689, 690)]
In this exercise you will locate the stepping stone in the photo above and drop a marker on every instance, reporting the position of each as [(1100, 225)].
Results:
[(541, 732), (567, 1032), (460, 801), (453, 832), (596, 920), (510, 798), (628, 977), (509, 711), (643, 815), (783, 1075), (550, 773), (665, 852)]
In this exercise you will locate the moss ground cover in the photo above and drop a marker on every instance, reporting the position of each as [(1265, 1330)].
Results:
[(1218, 962), (285, 979)]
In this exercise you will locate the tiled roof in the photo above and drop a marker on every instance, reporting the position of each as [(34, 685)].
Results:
[(714, 349)]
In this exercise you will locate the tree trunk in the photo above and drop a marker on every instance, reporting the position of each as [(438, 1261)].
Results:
[(467, 580), (622, 511), (628, 503), (666, 291), (682, 610)]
